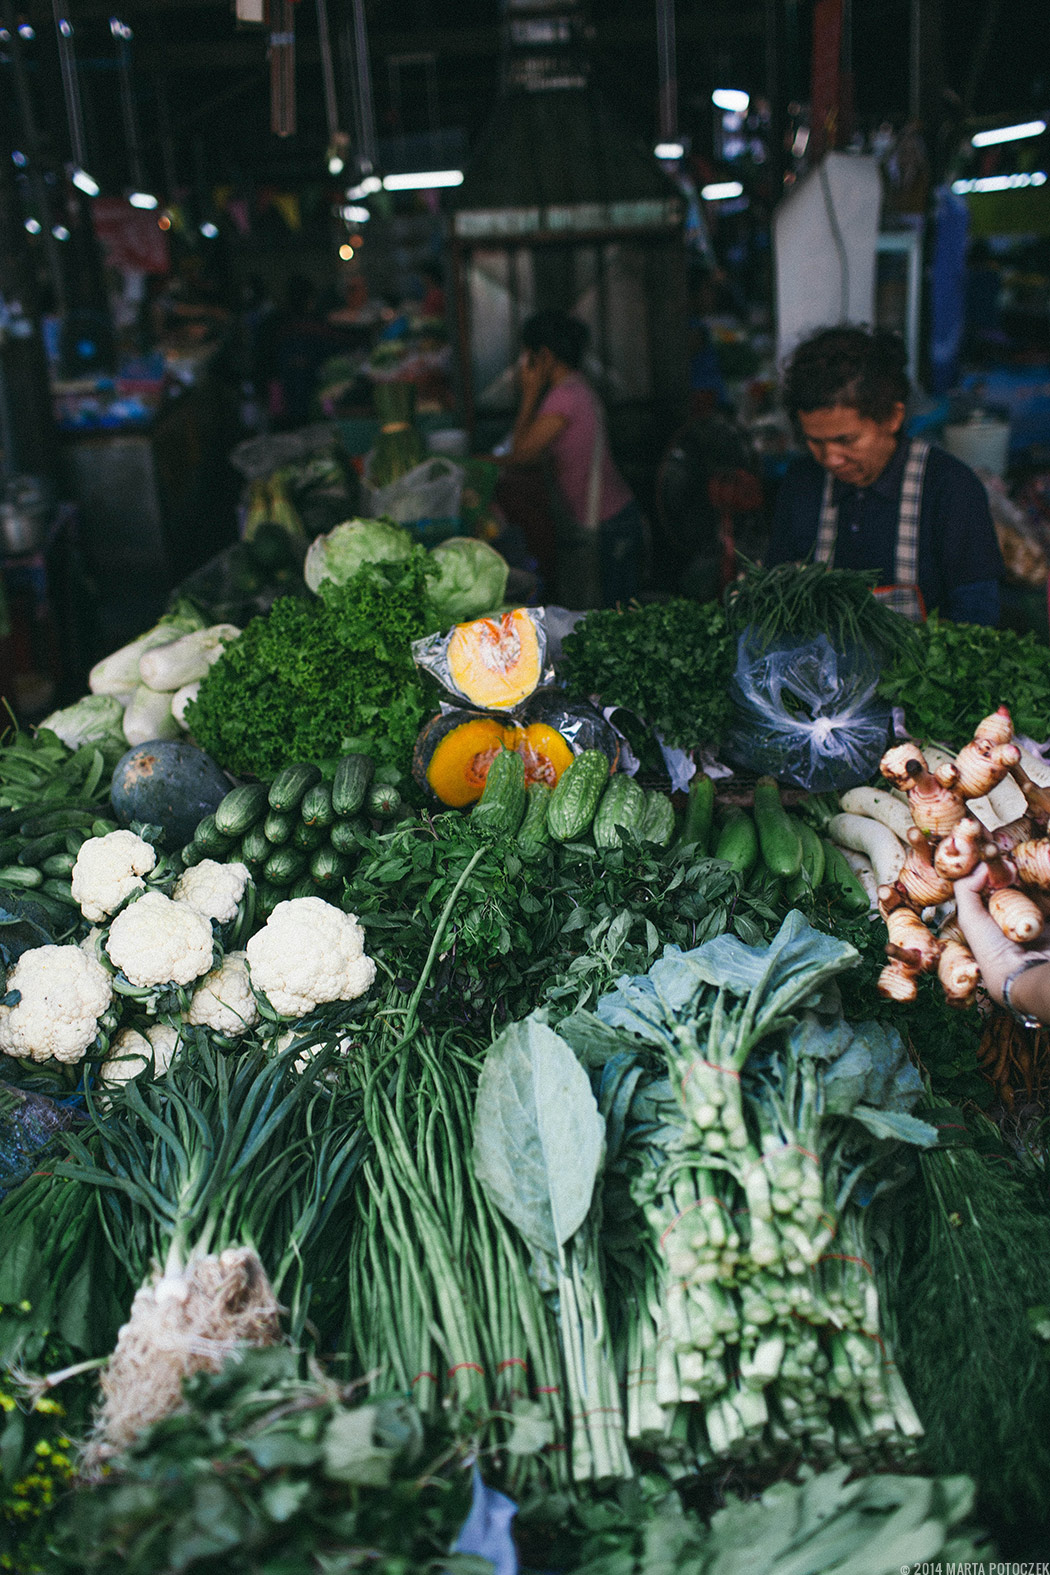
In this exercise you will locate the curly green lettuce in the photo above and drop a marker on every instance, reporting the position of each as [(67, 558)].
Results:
[(299, 681)]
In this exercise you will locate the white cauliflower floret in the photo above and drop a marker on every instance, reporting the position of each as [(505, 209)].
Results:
[(309, 952), (108, 869), (130, 1053), (212, 888), (64, 993), (224, 1000), (156, 941)]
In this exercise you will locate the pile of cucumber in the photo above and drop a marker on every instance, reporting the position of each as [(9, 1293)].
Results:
[(51, 800), (772, 848), (585, 801), (38, 850), (299, 834)]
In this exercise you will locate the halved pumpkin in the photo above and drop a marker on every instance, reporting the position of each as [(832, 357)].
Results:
[(495, 662), (546, 752), (453, 754)]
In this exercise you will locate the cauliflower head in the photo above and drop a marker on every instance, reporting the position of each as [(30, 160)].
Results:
[(108, 869), (224, 999), (309, 1053), (212, 888), (155, 941), (131, 1051), (64, 993), (309, 952)]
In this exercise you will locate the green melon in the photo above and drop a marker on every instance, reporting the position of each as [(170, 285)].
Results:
[(171, 784)]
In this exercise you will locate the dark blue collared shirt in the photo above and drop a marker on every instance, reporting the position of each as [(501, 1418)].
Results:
[(960, 564)]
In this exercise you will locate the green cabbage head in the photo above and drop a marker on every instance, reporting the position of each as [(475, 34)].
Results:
[(339, 554), (471, 580)]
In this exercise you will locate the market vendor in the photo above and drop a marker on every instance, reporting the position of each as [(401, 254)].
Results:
[(598, 526), (868, 497)]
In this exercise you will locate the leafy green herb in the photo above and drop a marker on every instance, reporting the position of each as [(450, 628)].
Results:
[(668, 661), (298, 681), (266, 1469), (955, 673), (797, 601)]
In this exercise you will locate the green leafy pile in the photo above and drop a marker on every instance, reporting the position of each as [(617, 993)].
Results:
[(299, 681), (876, 1524), (793, 601), (562, 926), (972, 1273), (264, 1469), (670, 662), (955, 673)]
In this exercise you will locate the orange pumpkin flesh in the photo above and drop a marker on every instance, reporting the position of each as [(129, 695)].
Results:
[(495, 662), (546, 752), (460, 763)]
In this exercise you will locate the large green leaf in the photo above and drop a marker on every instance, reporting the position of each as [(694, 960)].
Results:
[(539, 1138)]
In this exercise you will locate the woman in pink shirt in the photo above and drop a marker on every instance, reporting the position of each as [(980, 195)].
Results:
[(599, 526)]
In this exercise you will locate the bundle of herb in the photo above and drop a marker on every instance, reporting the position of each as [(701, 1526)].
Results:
[(264, 1469), (953, 673), (309, 674), (971, 1275), (669, 662), (798, 601)]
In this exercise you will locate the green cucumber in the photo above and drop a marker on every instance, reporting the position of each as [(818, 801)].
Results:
[(345, 836), (279, 825), (242, 808), (699, 814), (657, 823), (620, 808), (290, 784), (303, 887), (58, 865), (737, 841), (283, 866), (308, 836), (353, 778), (192, 854), (41, 848), (501, 806), (59, 891), (577, 794), (383, 801), (64, 819), (214, 842), (533, 834), (256, 847), (837, 873), (778, 835), (25, 875), (327, 867), (811, 874), (316, 806)]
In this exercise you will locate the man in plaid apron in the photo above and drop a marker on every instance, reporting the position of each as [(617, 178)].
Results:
[(868, 497)]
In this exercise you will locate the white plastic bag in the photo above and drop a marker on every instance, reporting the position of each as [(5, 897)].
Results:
[(807, 714)]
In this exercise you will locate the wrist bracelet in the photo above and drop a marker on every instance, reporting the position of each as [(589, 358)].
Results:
[(1024, 1018)]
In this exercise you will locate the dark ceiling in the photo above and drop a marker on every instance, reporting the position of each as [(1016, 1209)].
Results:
[(436, 66)]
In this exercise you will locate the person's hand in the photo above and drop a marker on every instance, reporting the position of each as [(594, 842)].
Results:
[(531, 378), (996, 957)]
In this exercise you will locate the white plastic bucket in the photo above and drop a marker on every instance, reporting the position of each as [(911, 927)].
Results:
[(983, 442)]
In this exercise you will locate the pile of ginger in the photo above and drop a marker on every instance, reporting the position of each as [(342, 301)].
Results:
[(947, 842)]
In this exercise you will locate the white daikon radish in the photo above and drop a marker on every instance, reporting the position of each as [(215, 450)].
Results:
[(858, 834), (865, 874), (880, 806)]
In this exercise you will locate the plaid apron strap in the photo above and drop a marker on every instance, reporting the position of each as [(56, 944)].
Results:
[(906, 556), (827, 529)]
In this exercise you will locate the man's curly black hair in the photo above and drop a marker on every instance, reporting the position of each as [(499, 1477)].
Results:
[(851, 367)]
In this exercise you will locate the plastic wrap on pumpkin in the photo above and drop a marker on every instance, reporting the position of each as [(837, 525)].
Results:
[(492, 663), (455, 749)]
